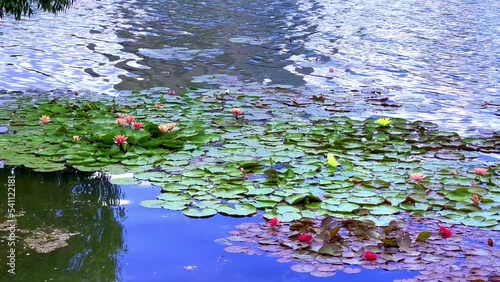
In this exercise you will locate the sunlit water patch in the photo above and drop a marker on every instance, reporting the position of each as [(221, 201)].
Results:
[(77, 50), (437, 62)]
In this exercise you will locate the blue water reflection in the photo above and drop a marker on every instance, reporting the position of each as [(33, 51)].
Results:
[(164, 245)]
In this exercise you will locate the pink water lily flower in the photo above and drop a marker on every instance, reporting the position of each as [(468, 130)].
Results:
[(137, 125), (481, 171), (475, 199), (45, 119), (417, 177), (237, 111), (129, 119), (167, 127), (121, 121), (163, 128), (120, 139)]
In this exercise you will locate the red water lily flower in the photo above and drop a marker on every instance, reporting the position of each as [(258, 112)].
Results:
[(167, 127), (417, 177), (307, 238), (137, 125), (120, 139), (163, 128), (481, 171), (273, 222), (445, 232), (129, 119), (370, 256)]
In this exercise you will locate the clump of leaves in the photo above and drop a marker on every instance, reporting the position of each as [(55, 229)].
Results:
[(412, 244)]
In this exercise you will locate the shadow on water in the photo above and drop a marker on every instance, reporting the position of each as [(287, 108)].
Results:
[(118, 240), (50, 206)]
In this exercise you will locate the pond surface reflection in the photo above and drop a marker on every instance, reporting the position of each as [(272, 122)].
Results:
[(433, 61)]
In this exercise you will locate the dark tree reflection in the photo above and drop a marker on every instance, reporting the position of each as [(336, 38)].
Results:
[(83, 203)]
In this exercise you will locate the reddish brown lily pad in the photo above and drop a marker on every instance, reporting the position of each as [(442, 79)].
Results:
[(412, 244)]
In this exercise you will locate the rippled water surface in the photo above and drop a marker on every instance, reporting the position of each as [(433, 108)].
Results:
[(433, 60)]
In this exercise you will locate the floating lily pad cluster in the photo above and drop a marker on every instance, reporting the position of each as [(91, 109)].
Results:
[(270, 157), (410, 243), (52, 134)]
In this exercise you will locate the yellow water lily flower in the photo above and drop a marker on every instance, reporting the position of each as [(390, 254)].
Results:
[(384, 121), (331, 160)]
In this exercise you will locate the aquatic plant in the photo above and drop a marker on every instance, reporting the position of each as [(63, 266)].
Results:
[(274, 222)]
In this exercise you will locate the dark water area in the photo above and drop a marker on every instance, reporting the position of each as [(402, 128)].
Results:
[(116, 239)]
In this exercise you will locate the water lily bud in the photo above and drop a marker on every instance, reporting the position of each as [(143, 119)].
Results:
[(129, 119), (481, 171), (307, 238)]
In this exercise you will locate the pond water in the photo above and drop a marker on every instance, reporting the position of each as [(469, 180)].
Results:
[(116, 239), (434, 61)]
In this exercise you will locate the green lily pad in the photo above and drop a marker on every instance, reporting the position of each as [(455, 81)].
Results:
[(383, 210), (237, 210), (152, 203), (197, 213)]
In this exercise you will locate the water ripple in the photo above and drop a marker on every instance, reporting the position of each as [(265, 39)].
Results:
[(437, 61)]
